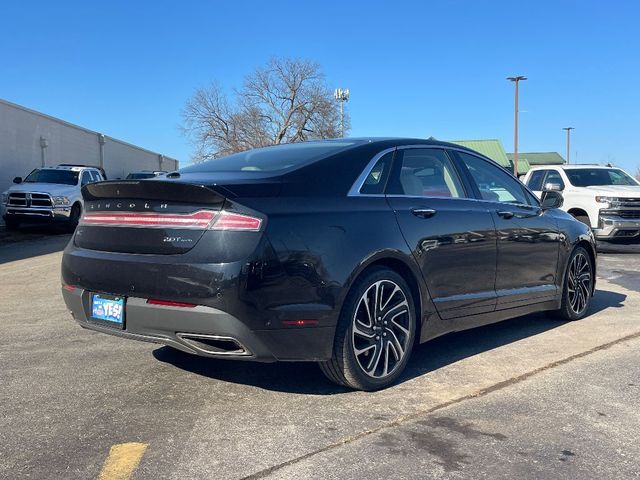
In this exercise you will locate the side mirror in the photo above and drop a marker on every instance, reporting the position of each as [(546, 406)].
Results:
[(555, 187), (17, 180), (551, 199)]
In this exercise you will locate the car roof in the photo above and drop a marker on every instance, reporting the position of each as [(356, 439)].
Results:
[(572, 166), (72, 168)]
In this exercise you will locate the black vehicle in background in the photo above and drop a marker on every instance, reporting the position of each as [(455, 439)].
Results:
[(344, 252)]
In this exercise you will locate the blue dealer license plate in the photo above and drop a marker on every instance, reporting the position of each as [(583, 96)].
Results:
[(108, 308)]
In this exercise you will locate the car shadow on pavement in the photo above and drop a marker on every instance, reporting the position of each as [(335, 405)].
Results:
[(306, 378), (32, 241)]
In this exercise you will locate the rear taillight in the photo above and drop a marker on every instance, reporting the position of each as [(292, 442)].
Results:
[(200, 220), (235, 221)]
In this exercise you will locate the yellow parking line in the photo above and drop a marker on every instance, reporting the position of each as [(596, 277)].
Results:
[(123, 459)]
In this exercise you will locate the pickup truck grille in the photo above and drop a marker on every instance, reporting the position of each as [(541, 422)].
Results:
[(29, 199), (628, 213), (628, 202)]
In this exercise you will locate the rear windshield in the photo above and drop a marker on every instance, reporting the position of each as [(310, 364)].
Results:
[(64, 177), (140, 176), (587, 177), (271, 159)]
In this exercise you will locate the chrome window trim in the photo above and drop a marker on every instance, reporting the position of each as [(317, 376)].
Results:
[(357, 185)]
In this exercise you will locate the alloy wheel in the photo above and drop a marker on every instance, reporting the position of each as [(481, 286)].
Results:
[(579, 283), (380, 329)]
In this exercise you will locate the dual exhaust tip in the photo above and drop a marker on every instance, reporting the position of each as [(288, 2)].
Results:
[(217, 345)]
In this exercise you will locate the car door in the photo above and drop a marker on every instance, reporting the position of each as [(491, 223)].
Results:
[(452, 236), (528, 238)]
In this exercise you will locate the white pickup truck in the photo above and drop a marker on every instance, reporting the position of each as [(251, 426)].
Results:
[(48, 194), (605, 198)]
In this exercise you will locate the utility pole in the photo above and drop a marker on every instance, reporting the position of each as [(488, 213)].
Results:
[(516, 80), (568, 129), (341, 95)]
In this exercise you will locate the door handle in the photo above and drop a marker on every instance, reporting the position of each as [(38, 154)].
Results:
[(505, 214), (423, 212)]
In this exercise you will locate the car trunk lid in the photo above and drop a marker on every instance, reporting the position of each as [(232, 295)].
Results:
[(146, 216)]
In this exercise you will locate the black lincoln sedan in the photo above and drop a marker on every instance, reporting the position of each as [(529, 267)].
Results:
[(344, 252)]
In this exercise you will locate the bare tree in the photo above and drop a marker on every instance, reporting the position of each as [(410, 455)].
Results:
[(285, 101)]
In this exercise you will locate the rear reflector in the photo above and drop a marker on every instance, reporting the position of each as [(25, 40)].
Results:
[(200, 220), (69, 288), (167, 303), (299, 323)]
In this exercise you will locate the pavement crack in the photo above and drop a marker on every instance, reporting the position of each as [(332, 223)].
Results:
[(420, 413)]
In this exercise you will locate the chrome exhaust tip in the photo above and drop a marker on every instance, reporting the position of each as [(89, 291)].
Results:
[(218, 345)]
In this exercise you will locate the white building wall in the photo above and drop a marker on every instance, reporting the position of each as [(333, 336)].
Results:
[(29, 138)]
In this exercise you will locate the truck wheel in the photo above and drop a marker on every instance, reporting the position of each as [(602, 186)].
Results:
[(584, 219), (74, 218), (375, 332), (11, 224)]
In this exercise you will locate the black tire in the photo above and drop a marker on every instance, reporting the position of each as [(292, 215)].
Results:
[(11, 224), (390, 331), (584, 219), (74, 217), (568, 310)]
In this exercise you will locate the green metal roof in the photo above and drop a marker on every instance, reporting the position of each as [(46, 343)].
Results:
[(491, 148), (523, 165), (539, 158)]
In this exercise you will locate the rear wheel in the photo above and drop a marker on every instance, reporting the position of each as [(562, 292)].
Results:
[(578, 285), (375, 332)]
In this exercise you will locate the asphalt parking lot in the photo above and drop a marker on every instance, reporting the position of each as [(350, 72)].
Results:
[(532, 397)]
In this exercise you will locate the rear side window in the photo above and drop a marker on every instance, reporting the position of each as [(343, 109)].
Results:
[(494, 183), (377, 178), (425, 172), (536, 179)]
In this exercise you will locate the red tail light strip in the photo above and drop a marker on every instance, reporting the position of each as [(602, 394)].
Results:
[(200, 219)]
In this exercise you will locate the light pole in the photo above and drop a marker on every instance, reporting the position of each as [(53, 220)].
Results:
[(342, 95), (568, 129), (516, 80)]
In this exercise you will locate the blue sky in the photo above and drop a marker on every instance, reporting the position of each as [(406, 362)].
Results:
[(125, 68)]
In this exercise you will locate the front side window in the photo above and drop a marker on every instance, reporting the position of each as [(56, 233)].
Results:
[(425, 172), (494, 183), (588, 177), (554, 178), (536, 179), (86, 177)]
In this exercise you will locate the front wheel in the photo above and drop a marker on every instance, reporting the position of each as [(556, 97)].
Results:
[(11, 224), (74, 217), (375, 332), (578, 285)]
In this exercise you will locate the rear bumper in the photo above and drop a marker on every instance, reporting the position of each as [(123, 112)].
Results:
[(612, 227), (188, 329)]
